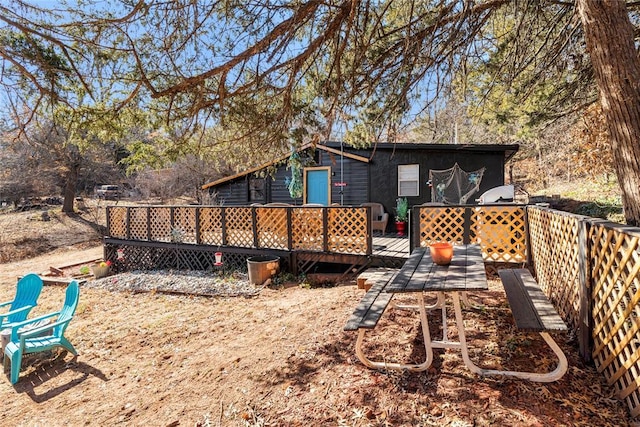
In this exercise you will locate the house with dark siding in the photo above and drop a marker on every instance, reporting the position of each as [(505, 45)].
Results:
[(334, 173)]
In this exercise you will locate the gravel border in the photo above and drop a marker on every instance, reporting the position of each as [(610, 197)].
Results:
[(201, 283)]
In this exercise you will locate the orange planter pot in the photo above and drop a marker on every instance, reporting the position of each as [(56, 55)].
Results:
[(441, 253)]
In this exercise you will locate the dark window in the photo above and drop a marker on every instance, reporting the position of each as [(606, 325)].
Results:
[(256, 190)]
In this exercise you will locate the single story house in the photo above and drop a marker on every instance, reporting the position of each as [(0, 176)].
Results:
[(334, 173)]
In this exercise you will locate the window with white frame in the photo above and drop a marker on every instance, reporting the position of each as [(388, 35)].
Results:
[(408, 180)]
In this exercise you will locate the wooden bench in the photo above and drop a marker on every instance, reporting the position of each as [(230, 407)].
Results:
[(369, 311), (531, 309), (533, 312), (374, 302)]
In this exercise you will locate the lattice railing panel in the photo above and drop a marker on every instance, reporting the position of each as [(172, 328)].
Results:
[(501, 231), (239, 226), (138, 224), (211, 226), (272, 227), (554, 238), (615, 257), (441, 224), (307, 231), (194, 260), (117, 222), (184, 224), (160, 224), (347, 230), (183, 257), (148, 258), (233, 226)]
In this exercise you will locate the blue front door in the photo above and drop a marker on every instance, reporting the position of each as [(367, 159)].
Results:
[(317, 186)]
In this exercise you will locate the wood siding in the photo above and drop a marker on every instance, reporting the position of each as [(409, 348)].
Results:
[(377, 181), (354, 173)]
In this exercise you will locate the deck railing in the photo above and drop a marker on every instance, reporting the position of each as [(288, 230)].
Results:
[(500, 230), (335, 229)]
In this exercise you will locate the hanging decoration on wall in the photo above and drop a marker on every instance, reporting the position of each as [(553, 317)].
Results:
[(295, 184), (454, 185)]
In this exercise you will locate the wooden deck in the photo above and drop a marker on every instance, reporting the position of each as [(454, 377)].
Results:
[(391, 246)]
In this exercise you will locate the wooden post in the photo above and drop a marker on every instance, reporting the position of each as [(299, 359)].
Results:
[(108, 219), (127, 223), (369, 220), (254, 226), (412, 233), (585, 322), (466, 234), (197, 225), (289, 231), (223, 225), (325, 231), (529, 257), (149, 223), (172, 218)]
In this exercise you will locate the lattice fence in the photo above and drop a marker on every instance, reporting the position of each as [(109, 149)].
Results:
[(211, 226), (239, 227), (323, 229), (184, 224), (615, 267), (347, 231), (117, 222), (555, 243), (272, 227), (591, 271), (138, 223), (307, 229), (500, 230), (160, 224), (441, 223)]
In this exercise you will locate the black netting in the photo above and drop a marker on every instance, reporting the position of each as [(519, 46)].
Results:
[(454, 186)]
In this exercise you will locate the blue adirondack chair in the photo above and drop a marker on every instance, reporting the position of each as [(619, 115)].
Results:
[(27, 293), (42, 338)]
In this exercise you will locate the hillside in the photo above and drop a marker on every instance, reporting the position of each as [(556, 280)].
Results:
[(34, 232), (586, 196)]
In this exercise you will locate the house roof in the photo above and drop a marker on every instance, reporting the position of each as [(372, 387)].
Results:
[(283, 158), (509, 149), (337, 148)]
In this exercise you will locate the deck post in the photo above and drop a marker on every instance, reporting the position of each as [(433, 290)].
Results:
[(127, 221), (172, 219), (108, 220), (585, 319), (148, 222), (466, 234), (289, 230), (197, 225), (325, 228), (254, 226), (223, 224)]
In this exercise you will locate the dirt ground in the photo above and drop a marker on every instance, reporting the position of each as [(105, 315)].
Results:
[(281, 358)]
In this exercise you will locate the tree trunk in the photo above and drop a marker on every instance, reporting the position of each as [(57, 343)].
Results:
[(71, 181), (610, 43)]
